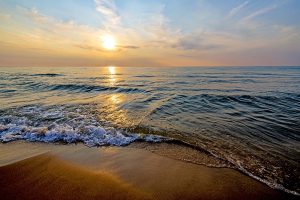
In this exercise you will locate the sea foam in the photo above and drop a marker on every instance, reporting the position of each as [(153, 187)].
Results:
[(89, 135), (39, 124)]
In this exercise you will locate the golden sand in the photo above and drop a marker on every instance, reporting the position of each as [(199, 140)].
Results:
[(48, 171)]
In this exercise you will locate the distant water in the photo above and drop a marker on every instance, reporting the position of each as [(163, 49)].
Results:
[(248, 116)]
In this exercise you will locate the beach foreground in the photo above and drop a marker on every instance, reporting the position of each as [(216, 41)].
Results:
[(54, 171)]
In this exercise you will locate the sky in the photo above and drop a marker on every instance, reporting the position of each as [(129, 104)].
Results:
[(150, 32)]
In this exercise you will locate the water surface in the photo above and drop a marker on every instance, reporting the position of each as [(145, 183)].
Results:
[(248, 116)]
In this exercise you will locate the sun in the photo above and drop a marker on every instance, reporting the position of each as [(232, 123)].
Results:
[(108, 42)]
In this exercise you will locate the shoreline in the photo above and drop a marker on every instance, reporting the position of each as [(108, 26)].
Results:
[(137, 172)]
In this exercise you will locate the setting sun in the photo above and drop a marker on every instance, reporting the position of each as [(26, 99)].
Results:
[(108, 42)]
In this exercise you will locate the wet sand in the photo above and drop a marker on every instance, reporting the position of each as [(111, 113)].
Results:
[(50, 171)]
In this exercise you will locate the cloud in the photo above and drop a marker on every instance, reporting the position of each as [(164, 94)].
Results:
[(4, 16), (88, 47), (93, 48), (108, 10), (157, 31), (55, 35), (195, 43), (70, 33), (260, 12), (128, 46), (237, 9), (54, 25), (203, 41), (36, 16)]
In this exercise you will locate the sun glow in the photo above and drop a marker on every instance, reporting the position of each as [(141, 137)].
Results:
[(108, 42), (112, 70), (112, 77)]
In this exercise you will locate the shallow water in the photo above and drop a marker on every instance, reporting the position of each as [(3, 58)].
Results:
[(248, 116)]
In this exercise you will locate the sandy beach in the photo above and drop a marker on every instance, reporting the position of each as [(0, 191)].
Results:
[(55, 171), (149, 100)]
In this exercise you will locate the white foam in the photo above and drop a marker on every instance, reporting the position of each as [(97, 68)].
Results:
[(90, 135)]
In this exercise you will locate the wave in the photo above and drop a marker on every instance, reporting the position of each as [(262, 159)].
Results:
[(83, 88), (248, 99), (89, 135), (240, 80), (60, 125), (144, 76), (48, 75), (7, 91)]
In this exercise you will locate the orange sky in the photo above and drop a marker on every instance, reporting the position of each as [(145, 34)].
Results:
[(43, 34)]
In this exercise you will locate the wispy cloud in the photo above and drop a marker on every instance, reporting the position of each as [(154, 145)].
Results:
[(128, 46), (196, 42), (4, 16), (88, 47), (108, 10), (52, 24), (47, 31), (157, 30), (260, 12), (234, 11)]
